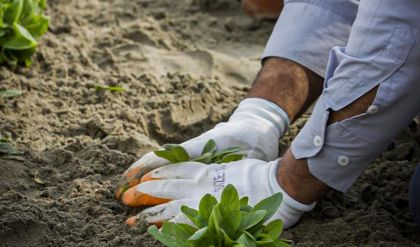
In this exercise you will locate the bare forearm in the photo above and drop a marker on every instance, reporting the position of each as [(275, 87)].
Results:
[(294, 88), (288, 84)]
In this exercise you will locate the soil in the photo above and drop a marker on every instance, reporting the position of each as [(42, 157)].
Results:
[(185, 65)]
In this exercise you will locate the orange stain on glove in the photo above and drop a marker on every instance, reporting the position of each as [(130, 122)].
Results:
[(134, 198), (131, 179), (148, 177), (132, 221), (158, 223)]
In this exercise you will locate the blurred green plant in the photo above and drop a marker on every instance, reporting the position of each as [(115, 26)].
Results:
[(8, 150), (8, 94), (22, 23), (110, 88)]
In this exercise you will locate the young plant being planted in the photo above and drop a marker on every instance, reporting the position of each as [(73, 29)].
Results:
[(176, 153), (230, 222), (22, 23)]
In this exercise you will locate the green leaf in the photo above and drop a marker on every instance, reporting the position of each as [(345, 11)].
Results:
[(188, 228), (264, 239), (189, 212), (230, 220), (251, 219), (9, 149), (166, 155), (246, 208), (226, 151), (4, 139), (230, 198), (220, 155), (110, 88), (169, 146), (198, 235), (27, 10), (280, 243), (200, 221), (180, 153), (204, 158), (20, 40), (215, 221), (231, 157), (210, 147), (176, 230), (13, 12), (175, 153), (42, 4), (206, 206), (227, 240), (270, 204), (39, 26), (246, 241), (165, 238), (244, 201), (274, 228), (257, 229), (229, 209), (22, 55), (22, 22), (10, 93)]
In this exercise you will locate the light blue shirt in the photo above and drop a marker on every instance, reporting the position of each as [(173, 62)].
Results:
[(355, 46)]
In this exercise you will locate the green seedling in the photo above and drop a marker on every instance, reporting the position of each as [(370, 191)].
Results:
[(228, 223), (109, 88), (176, 153), (22, 23), (10, 93), (9, 151)]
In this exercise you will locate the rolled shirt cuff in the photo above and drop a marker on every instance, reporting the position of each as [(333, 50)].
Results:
[(307, 30)]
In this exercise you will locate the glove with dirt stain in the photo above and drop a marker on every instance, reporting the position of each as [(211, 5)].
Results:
[(255, 126), (186, 183)]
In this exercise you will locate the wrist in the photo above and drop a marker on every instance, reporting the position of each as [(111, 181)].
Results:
[(290, 202), (264, 112), (295, 179)]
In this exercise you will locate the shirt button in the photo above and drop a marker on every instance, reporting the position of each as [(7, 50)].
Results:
[(317, 141), (372, 109), (343, 160)]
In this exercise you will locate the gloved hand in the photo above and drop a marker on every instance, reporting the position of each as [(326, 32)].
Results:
[(255, 126), (186, 183)]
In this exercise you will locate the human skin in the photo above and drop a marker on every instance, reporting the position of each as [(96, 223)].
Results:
[(294, 88)]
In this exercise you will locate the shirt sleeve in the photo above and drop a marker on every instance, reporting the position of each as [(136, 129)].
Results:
[(383, 49), (307, 29)]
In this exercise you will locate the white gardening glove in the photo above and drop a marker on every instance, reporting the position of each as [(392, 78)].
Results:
[(186, 183), (255, 126)]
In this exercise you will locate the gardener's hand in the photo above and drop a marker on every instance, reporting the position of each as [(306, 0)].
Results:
[(186, 183), (255, 126)]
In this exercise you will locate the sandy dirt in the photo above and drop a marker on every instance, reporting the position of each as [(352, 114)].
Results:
[(185, 65)]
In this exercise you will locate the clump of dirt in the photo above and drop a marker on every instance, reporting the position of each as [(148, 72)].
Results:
[(185, 65)]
